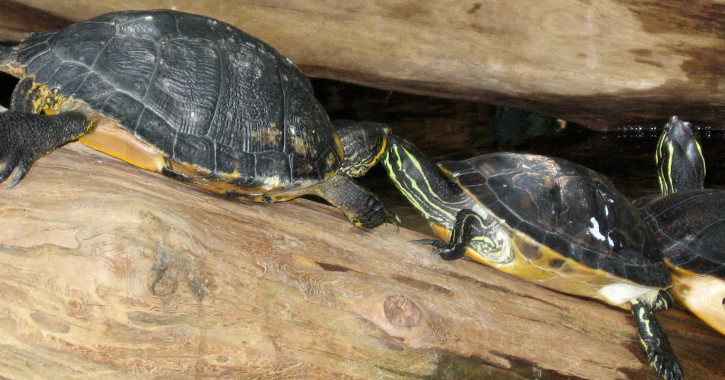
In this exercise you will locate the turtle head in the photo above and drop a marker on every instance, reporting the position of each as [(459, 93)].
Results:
[(363, 143), (680, 163)]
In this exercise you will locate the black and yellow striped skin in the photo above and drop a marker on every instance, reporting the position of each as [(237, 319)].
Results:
[(461, 216), (679, 159), (689, 222)]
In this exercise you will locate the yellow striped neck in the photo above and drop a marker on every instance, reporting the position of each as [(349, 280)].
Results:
[(423, 184)]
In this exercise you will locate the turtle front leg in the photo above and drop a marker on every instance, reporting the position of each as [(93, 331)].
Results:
[(25, 137), (360, 205), (653, 337)]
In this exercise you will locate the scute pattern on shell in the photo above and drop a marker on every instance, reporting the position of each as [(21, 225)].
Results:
[(567, 207), (689, 225), (201, 91)]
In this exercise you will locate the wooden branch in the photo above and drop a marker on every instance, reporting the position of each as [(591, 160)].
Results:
[(107, 271), (16, 20), (602, 64)]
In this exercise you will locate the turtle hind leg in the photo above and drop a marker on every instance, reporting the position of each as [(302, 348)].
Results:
[(465, 229), (25, 137), (653, 338), (360, 205)]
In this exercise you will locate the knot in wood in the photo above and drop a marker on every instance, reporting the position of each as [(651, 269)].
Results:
[(401, 311)]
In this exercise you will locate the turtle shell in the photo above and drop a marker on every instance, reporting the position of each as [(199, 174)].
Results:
[(566, 207), (197, 90), (690, 226)]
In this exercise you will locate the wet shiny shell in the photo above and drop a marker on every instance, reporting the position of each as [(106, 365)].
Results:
[(690, 227), (568, 208), (199, 91)]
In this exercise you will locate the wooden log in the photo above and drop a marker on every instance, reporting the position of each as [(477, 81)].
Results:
[(16, 20), (603, 64), (107, 271)]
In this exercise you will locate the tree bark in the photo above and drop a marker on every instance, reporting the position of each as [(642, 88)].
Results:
[(602, 63), (107, 271)]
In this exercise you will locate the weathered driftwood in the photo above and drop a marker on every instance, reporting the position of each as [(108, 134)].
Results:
[(16, 20), (107, 271), (602, 63)]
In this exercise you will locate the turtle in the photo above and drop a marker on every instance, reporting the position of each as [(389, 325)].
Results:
[(689, 222), (192, 98), (546, 220)]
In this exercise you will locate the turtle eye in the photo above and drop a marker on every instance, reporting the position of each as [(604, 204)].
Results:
[(723, 303)]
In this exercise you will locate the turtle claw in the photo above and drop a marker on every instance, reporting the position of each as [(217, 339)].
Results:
[(20, 173), (7, 168), (666, 366), (653, 338), (392, 218), (660, 356), (442, 249), (432, 242), (379, 215), (25, 137), (17, 161), (437, 244)]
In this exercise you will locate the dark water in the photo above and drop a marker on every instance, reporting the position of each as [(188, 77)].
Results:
[(455, 129)]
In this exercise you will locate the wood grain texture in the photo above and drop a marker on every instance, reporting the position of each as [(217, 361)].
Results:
[(108, 271), (601, 63)]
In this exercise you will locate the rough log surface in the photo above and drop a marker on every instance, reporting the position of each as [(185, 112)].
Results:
[(107, 271), (600, 63)]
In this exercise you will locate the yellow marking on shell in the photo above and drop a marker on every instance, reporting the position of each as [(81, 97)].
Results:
[(270, 136), (230, 176), (117, 142), (703, 295), (544, 266), (12, 68), (200, 178), (299, 144)]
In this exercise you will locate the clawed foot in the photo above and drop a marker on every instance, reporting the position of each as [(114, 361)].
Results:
[(376, 215), (653, 337), (14, 157), (22, 170), (437, 244), (665, 364), (25, 137), (445, 251)]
